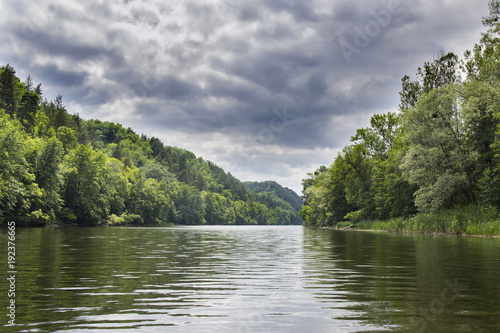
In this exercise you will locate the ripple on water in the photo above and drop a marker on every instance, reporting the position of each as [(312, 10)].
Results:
[(249, 279)]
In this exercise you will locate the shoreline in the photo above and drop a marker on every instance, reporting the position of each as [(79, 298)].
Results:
[(459, 221), (408, 232)]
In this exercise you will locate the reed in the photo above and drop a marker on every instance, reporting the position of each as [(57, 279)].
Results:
[(466, 220)]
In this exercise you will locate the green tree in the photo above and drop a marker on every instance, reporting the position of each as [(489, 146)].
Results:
[(155, 202), (67, 137), (56, 111), (218, 209), (18, 191), (482, 107), (439, 160), (393, 195), (325, 202), (27, 110), (9, 89), (355, 167), (42, 126), (46, 157), (58, 166), (158, 172), (118, 187), (432, 75), (378, 138), (493, 19), (190, 205), (86, 190)]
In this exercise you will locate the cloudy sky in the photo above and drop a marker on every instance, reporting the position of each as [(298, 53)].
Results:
[(266, 89)]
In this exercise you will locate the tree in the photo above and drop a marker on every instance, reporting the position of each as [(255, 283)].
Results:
[(29, 106), (158, 172), (439, 73), (86, 189), (378, 138), (218, 209), (355, 168), (118, 187), (409, 93), (155, 202), (46, 156), (9, 89), (28, 109), (493, 19), (59, 167), (42, 126), (325, 201), (67, 137), (18, 190), (190, 205), (482, 107), (393, 195), (439, 159), (56, 111)]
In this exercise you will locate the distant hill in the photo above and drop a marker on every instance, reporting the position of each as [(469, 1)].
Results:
[(274, 194)]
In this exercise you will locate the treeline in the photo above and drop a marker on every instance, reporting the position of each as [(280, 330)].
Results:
[(440, 151), (278, 197), (56, 167)]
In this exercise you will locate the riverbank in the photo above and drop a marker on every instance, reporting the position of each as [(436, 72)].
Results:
[(470, 220)]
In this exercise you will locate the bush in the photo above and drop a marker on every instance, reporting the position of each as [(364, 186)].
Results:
[(468, 220)]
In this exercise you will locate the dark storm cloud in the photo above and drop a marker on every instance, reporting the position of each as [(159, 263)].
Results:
[(64, 46), (60, 77), (265, 87), (174, 88), (317, 83)]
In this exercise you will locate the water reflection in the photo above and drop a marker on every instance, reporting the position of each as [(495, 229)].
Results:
[(409, 283), (252, 279)]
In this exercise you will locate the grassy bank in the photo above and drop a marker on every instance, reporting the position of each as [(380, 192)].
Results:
[(470, 220)]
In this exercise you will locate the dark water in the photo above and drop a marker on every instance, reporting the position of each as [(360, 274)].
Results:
[(250, 279)]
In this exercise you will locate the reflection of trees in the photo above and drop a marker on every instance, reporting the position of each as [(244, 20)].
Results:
[(123, 277), (406, 281), (68, 273), (135, 276)]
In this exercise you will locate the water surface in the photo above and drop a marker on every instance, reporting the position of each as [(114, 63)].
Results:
[(251, 279)]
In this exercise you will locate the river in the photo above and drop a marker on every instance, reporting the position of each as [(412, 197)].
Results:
[(250, 279)]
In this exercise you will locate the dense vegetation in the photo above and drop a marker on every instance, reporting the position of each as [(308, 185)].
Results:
[(56, 167), (441, 151), (278, 197)]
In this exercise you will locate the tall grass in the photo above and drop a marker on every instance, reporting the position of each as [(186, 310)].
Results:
[(468, 220)]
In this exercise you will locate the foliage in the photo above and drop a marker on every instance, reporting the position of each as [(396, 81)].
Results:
[(19, 194), (464, 220), (58, 168), (439, 161), (277, 197), (440, 153)]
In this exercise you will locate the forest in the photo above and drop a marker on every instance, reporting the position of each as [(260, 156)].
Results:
[(275, 195), (59, 169), (439, 153)]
